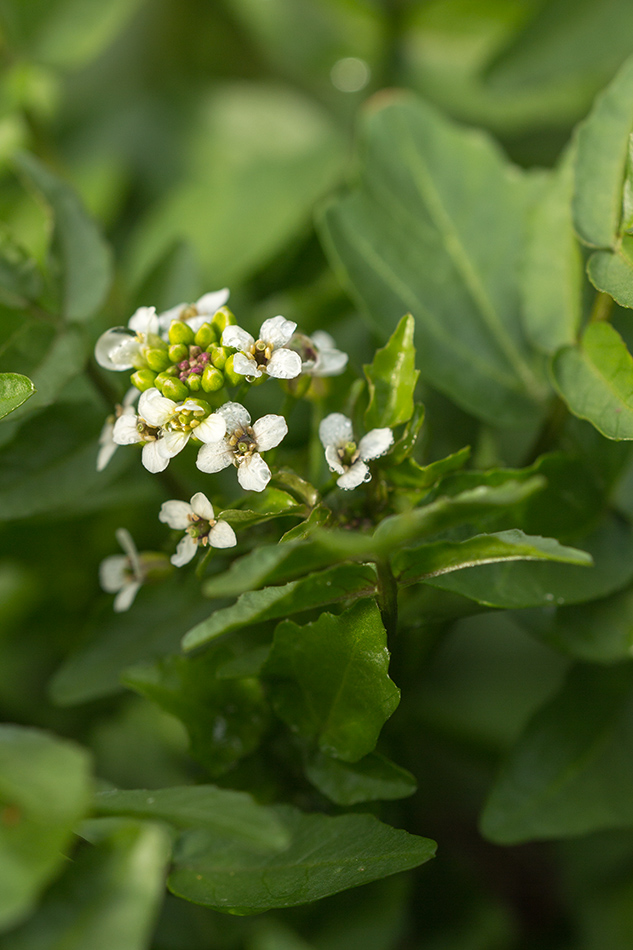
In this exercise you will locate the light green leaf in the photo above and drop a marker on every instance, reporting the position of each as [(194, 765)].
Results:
[(109, 896), (404, 239), (316, 590), (14, 390), (81, 254), (373, 778), (330, 680), (612, 271), (392, 378), (572, 770), (408, 474), (228, 813), (44, 791), (327, 855), (596, 380)]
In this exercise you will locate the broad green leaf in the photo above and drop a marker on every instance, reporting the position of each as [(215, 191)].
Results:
[(596, 380), (404, 446), (552, 275), (109, 896), (373, 778), (612, 271), (442, 557), (45, 790), (572, 770), (391, 379), (14, 390), (409, 474), (225, 718), (226, 812), (405, 241), (529, 584), (330, 680), (601, 155), (327, 855), (81, 254), (316, 590)]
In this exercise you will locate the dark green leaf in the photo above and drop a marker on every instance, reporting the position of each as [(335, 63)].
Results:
[(392, 378), (20, 280), (330, 680), (373, 778), (411, 475), (327, 855), (14, 390)]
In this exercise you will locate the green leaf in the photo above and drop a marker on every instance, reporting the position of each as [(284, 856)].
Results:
[(552, 275), (44, 791), (515, 584), (391, 379), (596, 380), (14, 390), (20, 280), (174, 279), (226, 812), (109, 896), (317, 590), (81, 254), (612, 272), (330, 680), (373, 778), (408, 474), (571, 772), (405, 241), (431, 560), (327, 855)]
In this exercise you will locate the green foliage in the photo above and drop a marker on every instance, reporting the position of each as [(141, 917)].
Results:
[(391, 379), (14, 390)]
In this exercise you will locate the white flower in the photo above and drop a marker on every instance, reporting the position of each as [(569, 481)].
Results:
[(319, 356), (269, 354), (198, 521), (120, 348), (164, 427), (107, 445), (242, 444), (195, 314), (122, 574), (344, 456)]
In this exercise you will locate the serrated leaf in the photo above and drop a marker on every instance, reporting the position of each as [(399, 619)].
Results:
[(15, 389), (330, 680), (373, 778), (81, 253), (571, 771), (327, 855), (316, 590), (224, 811), (595, 379), (392, 378)]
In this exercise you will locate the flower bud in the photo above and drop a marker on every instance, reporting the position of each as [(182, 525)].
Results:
[(219, 355), (206, 335), (212, 379), (233, 378), (143, 379), (194, 382), (173, 389), (178, 352), (180, 332), (222, 319), (157, 358)]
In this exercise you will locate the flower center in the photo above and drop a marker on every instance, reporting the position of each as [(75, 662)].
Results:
[(196, 363), (199, 529), (347, 453), (261, 352), (243, 442), (188, 312), (149, 433), (185, 420)]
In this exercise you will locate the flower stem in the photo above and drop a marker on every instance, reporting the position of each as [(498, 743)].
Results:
[(387, 596)]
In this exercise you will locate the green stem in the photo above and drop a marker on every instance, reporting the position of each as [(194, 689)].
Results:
[(202, 563), (602, 307), (387, 596), (550, 432)]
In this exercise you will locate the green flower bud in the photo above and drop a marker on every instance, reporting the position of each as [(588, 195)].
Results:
[(194, 382), (143, 379), (178, 352), (222, 319), (174, 389), (219, 356), (212, 379), (180, 332), (235, 379), (157, 359), (205, 336)]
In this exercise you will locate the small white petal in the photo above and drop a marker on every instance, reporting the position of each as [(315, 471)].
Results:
[(222, 535), (269, 431), (117, 349), (333, 460), (114, 573), (211, 429), (284, 364), (144, 320), (153, 458), (277, 330), (172, 443), (335, 429), (214, 456), (202, 507), (246, 365), (210, 303), (167, 316), (125, 597), (354, 477), (330, 361), (185, 551), (175, 514), (253, 474), (130, 397), (126, 541), (323, 340), (105, 454), (125, 431), (375, 443), (236, 416), (155, 408), (236, 337)]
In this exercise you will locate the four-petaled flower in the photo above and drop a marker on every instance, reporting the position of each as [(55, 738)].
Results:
[(107, 445), (195, 314), (242, 444), (122, 574), (197, 519), (268, 354), (122, 347), (319, 356), (347, 458), (164, 427)]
